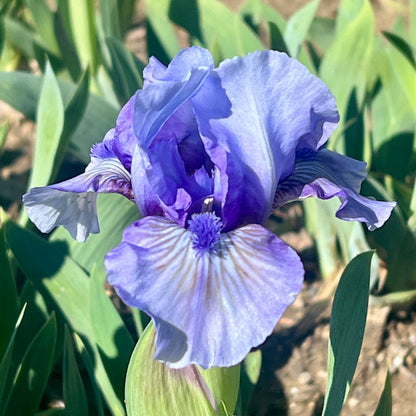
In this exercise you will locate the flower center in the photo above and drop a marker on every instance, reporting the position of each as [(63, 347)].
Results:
[(206, 229)]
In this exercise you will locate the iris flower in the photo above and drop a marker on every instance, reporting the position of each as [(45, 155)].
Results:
[(206, 154)]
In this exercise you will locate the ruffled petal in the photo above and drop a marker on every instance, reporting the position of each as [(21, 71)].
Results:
[(326, 174), (278, 106), (77, 212), (156, 103), (210, 307), (72, 203)]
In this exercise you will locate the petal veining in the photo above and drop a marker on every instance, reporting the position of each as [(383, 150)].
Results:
[(224, 302)]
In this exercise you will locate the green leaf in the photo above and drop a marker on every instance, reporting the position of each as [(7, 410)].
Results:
[(185, 13), (250, 373), (402, 46), (6, 362), (349, 312), (33, 373), (298, 26), (19, 36), (84, 37), (66, 47), (67, 285), (125, 70), (74, 112), (4, 129), (8, 297), (75, 398), (161, 38), (384, 407), (21, 90), (44, 23), (220, 24), (111, 335), (50, 122), (397, 243), (257, 12), (110, 18), (344, 66), (152, 388)]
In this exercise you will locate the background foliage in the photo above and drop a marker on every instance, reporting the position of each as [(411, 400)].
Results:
[(56, 314)]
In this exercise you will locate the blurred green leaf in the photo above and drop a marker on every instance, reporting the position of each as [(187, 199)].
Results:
[(44, 23), (393, 157), (33, 373), (344, 65), (73, 114), (385, 403), (347, 326), (220, 24), (402, 46), (277, 41), (152, 388), (111, 336), (354, 134), (8, 297), (125, 70), (51, 412), (19, 36), (110, 18), (5, 363), (324, 233), (67, 285), (406, 75), (161, 38), (66, 47), (396, 244), (322, 32), (50, 121), (4, 129), (250, 373), (21, 91), (74, 395), (83, 33), (185, 13), (298, 26), (256, 12)]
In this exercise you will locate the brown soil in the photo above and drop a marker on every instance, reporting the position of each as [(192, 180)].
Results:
[(293, 376)]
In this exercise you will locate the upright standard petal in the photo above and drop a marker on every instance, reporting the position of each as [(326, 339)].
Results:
[(72, 203), (276, 104), (182, 79), (223, 293), (327, 174)]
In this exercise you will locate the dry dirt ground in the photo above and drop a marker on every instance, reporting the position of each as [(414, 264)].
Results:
[(293, 376)]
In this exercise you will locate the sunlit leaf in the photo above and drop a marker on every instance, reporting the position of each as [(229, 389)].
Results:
[(298, 26), (44, 23), (21, 90), (84, 37), (6, 361), (75, 398), (50, 121), (344, 65), (384, 406), (152, 388), (8, 297), (349, 313), (33, 373), (111, 336), (67, 285)]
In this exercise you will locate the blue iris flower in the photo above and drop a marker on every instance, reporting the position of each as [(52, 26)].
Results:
[(206, 153)]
